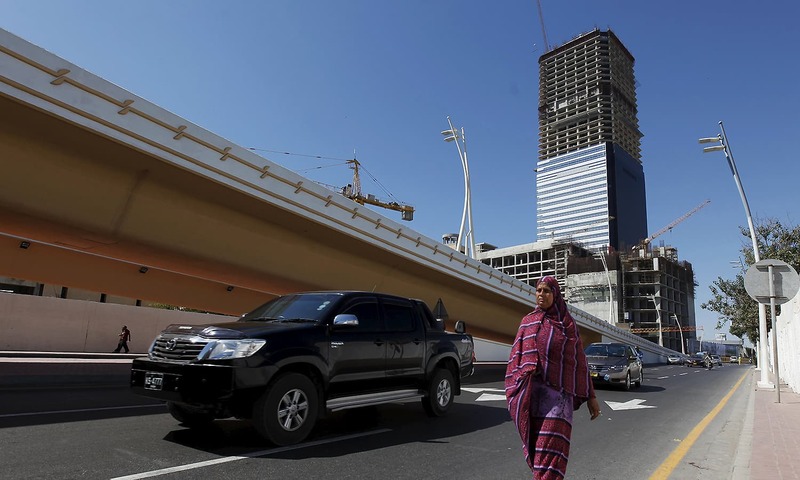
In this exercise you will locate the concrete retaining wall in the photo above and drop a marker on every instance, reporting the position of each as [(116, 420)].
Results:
[(788, 327), (30, 323)]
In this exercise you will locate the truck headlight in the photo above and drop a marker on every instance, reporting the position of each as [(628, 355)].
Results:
[(225, 349)]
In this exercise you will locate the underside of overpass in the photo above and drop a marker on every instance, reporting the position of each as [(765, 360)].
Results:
[(96, 211), (102, 183)]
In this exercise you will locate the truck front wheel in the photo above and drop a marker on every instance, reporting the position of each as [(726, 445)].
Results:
[(286, 413), (440, 393)]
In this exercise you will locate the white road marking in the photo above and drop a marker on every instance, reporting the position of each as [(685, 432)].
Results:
[(662, 378), (481, 390), (262, 453), (80, 410), (634, 404), (490, 397), (487, 394)]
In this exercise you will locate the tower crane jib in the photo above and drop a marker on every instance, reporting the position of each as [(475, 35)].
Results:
[(353, 192), (669, 227)]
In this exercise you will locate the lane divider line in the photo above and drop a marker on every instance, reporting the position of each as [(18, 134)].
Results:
[(668, 466)]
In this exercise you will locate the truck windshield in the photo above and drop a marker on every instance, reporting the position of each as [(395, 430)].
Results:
[(300, 307)]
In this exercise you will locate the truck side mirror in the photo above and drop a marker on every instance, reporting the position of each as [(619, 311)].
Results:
[(344, 320), (461, 327)]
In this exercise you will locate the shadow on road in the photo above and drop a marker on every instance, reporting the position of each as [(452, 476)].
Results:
[(407, 424)]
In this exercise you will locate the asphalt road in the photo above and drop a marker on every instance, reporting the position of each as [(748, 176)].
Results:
[(106, 432)]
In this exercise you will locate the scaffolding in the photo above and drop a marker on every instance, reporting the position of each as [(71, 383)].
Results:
[(587, 96)]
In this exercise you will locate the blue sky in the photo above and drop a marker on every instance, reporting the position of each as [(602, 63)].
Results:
[(317, 78)]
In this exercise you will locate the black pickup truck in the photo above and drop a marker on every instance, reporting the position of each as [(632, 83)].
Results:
[(301, 356)]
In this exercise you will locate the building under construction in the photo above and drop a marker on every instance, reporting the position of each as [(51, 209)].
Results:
[(590, 181), (659, 294), (647, 291), (532, 261), (590, 199)]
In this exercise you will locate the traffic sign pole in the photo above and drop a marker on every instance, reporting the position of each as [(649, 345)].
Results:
[(774, 332)]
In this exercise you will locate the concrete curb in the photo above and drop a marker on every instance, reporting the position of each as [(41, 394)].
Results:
[(58, 369), (744, 451)]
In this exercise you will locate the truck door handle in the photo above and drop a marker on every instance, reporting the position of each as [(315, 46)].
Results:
[(417, 341), (379, 342)]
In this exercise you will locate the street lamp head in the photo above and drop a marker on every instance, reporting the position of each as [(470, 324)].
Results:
[(717, 148), (450, 135), (709, 140)]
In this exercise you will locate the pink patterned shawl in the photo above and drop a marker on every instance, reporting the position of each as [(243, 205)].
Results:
[(548, 344)]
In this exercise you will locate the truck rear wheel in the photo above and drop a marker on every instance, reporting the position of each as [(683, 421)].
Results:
[(440, 393), (190, 416), (287, 412)]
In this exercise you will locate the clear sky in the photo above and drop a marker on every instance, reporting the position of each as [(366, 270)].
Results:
[(321, 78)]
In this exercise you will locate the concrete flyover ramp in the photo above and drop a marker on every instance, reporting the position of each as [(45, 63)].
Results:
[(115, 194)]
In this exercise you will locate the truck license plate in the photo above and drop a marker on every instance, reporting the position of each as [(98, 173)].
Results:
[(153, 381)]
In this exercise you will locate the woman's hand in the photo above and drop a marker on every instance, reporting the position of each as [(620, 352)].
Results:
[(594, 408)]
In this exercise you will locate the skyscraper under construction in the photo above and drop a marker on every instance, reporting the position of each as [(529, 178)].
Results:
[(590, 182)]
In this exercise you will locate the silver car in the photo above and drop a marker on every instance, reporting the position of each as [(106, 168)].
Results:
[(674, 359), (614, 364)]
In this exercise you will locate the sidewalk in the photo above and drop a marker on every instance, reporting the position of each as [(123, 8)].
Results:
[(775, 452)]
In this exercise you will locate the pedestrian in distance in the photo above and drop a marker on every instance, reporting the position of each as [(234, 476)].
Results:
[(547, 378), (124, 338)]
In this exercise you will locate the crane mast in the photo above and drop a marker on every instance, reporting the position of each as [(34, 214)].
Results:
[(541, 21)]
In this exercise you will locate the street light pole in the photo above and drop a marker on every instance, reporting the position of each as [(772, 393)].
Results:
[(680, 328), (460, 139), (724, 146), (611, 317), (658, 316)]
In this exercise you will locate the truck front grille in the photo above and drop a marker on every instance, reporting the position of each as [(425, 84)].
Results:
[(177, 348)]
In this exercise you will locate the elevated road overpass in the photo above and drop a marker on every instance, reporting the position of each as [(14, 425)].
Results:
[(115, 194)]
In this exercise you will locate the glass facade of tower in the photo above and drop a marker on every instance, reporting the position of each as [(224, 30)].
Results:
[(590, 180), (572, 197)]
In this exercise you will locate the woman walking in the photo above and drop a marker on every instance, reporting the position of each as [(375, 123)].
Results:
[(547, 377)]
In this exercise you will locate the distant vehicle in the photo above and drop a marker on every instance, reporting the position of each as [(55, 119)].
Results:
[(675, 359), (614, 363), (716, 360), (696, 360), (734, 359)]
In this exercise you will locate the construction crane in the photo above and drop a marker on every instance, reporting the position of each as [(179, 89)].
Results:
[(541, 21), (353, 192), (644, 243)]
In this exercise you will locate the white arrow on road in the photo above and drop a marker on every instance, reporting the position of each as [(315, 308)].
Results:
[(634, 404), (487, 397)]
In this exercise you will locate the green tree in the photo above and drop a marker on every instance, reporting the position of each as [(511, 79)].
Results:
[(729, 299)]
